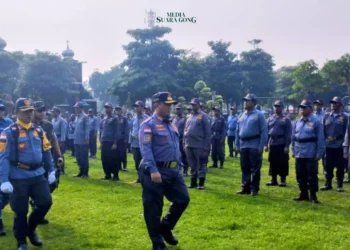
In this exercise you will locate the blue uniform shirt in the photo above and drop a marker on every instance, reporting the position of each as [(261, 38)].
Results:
[(135, 130), (110, 129), (81, 133), (306, 129), (232, 125), (31, 150), (334, 126), (250, 125), (71, 129), (60, 127), (159, 142), (123, 128), (94, 124), (320, 115), (4, 123), (280, 130), (180, 122)]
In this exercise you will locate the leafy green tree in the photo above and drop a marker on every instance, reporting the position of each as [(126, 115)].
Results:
[(205, 94), (9, 74), (199, 86)]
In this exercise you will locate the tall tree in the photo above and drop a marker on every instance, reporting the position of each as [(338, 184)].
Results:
[(9, 75), (284, 83)]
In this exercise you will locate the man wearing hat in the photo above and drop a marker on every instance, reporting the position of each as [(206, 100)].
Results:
[(279, 138), (334, 124), (160, 173), (94, 125), (218, 135), (71, 132), (319, 113), (308, 146), (180, 122), (135, 143), (4, 198), (60, 127), (24, 156), (148, 110), (109, 144), (189, 110), (231, 131), (197, 144), (130, 122), (122, 144), (251, 137), (81, 140)]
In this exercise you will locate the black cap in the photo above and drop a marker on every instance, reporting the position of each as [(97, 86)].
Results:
[(79, 105), (39, 106), (24, 104), (249, 97), (216, 108), (118, 108), (2, 104), (318, 102), (336, 99), (195, 101), (163, 97), (108, 105), (56, 109), (278, 103), (305, 104), (90, 110), (179, 106), (139, 104), (233, 108)]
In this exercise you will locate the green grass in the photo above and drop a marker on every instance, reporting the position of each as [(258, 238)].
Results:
[(93, 214)]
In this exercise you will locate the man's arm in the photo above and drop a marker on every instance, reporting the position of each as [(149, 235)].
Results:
[(126, 124), (263, 132), (47, 157), (320, 141), (288, 132), (5, 152), (145, 135), (224, 130), (207, 132), (237, 140), (117, 130), (86, 128)]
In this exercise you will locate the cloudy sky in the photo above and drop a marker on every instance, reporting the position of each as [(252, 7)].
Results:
[(291, 30)]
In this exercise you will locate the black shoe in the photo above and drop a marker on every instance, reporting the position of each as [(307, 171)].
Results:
[(35, 240), (340, 189), (347, 181), (193, 183), (85, 176), (302, 197), (222, 166), (282, 184), (200, 187), (115, 179), (272, 183), (22, 247), (214, 166), (78, 175), (160, 247), (253, 193), (137, 182), (2, 229), (326, 187), (43, 222), (243, 191), (169, 237), (313, 198)]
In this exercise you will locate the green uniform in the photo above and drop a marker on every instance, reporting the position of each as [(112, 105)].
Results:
[(48, 129)]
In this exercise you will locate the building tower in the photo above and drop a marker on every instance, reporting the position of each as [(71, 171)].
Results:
[(150, 18)]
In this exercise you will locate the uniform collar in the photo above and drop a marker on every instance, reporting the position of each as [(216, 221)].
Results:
[(26, 126)]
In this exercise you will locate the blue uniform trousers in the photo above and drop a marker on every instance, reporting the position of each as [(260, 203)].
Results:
[(122, 147), (279, 161), (36, 188), (251, 162), (82, 156), (4, 200), (231, 142), (174, 189), (306, 172), (92, 143), (137, 159), (109, 160), (217, 151), (334, 159)]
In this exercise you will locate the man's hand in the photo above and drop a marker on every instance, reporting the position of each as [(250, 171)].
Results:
[(86, 142), (156, 177), (6, 187), (60, 162), (114, 146), (286, 150), (52, 177), (266, 149)]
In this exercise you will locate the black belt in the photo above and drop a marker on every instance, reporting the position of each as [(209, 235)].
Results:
[(305, 140), (337, 138), (167, 164), (277, 136), (29, 167), (249, 138)]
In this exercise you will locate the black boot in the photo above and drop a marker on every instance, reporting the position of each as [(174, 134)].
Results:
[(215, 165), (283, 182), (221, 164), (193, 183), (313, 197), (43, 222), (273, 181), (303, 196), (340, 186), (168, 236), (34, 239), (2, 229), (23, 246), (327, 186), (201, 184)]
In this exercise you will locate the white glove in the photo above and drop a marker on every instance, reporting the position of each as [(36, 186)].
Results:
[(6, 187), (52, 177)]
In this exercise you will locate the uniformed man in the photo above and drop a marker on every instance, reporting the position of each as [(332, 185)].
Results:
[(160, 173), (204, 110), (251, 137), (39, 115), (319, 113), (81, 140), (189, 110), (23, 149), (218, 135), (122, 144), (279, 139), (49, 116), (231, 131), (60, 127), (71, 132), (93, 127), (4, 198), (334, 125), (180, 122), (135, 146), (148, 110), (130, 122), (197, 144), (308, 146)]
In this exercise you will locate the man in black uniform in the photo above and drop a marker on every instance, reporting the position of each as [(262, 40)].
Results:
[(122, 144), (109, 142), (218, 135)]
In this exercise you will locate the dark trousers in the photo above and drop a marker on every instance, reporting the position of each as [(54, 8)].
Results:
[(306, 172), (197, 160), (174, 189), (183, 157), (109, 159), (251, 162), (137, 159), (122, 148), (62, 146), (217, 151), (82, 156), (334, 159), (4, 200), (37, 189), (231, 142), (279, 161), (72, 146), (92, 143)]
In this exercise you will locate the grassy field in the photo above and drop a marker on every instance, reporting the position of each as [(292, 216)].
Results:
[(94, 214)]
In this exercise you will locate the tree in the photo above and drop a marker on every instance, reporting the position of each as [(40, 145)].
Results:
[(182, 100), (205, 94), (255, 43), (199, 86), (284, 82), (9, 75)]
